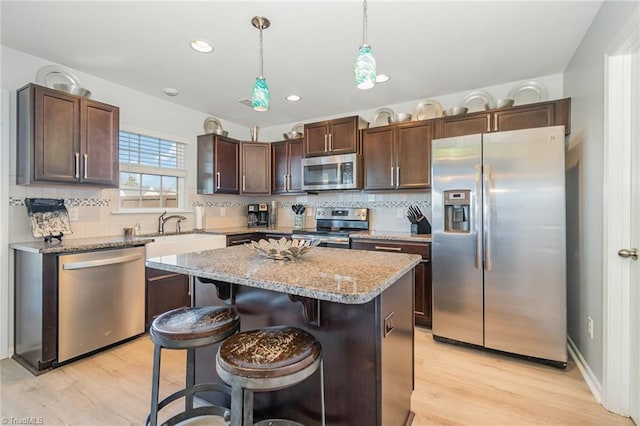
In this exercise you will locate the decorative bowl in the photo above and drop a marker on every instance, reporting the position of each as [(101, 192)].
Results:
[(400, 117), (504, 103), (282, 249), (73, 89), (220, 132), (456, 110), (292, 135)]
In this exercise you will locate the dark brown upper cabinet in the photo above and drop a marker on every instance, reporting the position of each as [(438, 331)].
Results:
[(286, 167), (398, 156), (542, 114), (339, 136), (218, 163), (64, 138), (256, 161)]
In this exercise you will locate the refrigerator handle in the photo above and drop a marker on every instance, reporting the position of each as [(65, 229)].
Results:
[(486, 216), (478, 216)]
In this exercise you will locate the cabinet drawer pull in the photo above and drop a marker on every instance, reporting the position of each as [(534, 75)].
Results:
[(217, 180), (77, 165), (240, 241), (244, 178), (388, 248), (86, 165)]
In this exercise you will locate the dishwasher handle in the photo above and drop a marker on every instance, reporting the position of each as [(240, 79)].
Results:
[(101, 262)]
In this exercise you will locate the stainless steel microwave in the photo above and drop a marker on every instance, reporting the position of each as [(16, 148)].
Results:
[(332, 172)]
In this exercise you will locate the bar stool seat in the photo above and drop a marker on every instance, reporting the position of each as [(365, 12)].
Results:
[(189, 328), (267, 359)]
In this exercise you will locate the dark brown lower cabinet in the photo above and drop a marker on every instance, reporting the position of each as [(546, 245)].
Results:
[(422, 291), (165, 291)]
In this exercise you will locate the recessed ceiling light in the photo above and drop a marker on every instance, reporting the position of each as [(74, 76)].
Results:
[(170, 92), (382, 78), (201, 46), (293, 98)]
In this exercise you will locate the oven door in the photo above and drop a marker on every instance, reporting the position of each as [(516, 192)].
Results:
[(325, 240)]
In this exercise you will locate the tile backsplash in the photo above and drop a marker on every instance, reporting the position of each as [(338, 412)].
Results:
[(97, 214)]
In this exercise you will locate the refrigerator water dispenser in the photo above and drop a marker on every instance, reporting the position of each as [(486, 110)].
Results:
[(456, 211)]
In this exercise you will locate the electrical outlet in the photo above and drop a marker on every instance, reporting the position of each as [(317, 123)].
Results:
[(73, 214), (590, 327)]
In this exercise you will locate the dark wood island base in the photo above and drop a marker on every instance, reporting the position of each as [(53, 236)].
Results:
[(367, 350)]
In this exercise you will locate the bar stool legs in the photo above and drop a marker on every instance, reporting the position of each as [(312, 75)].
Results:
[(189, 328), (265, 360)]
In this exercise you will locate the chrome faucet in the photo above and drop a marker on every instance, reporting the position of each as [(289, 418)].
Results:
[(162, 220)]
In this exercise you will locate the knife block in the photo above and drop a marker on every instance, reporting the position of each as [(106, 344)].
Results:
[(422, 227)]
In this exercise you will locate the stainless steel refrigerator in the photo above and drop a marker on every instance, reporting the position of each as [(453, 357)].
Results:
[(498, 241)]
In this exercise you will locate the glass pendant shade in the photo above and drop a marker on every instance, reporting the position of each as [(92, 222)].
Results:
[(260, 95), (365, 69)]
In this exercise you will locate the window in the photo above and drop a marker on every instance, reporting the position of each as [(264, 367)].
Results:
[(152, 172)]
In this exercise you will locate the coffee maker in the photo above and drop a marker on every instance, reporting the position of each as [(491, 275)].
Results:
[(257, 215)]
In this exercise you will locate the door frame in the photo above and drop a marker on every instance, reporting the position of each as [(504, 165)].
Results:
[(6, 307), (618, 110)]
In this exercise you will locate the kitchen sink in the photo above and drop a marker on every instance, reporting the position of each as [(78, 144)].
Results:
[(183, 243)]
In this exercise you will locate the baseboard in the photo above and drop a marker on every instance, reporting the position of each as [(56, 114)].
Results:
[(592, 381)]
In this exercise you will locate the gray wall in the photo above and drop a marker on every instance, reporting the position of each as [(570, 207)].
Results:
[(584, 82)]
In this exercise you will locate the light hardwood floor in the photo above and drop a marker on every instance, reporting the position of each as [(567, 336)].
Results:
[(454, 386)]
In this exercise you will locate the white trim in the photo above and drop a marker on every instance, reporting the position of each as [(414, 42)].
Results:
[(617, 219), (587, 374), (153, 133), (6, 295)]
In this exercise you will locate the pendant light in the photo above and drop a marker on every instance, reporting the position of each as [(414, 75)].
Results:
[(260, 92), (365, 69)]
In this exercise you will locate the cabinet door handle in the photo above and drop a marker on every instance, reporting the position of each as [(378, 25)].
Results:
[(388, 248), (330, 141), (285, 183), (217, 180), (244, 182), (86, 165), (398, 175), (488, 123), (391, 175), (77, 165), (325, 142), (495, 123), (237, 242)]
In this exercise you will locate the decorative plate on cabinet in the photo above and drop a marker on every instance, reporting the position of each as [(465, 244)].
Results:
[(426, 110), (528, 92), (211, 125), (53, 74), (382, 117), (478, 100)]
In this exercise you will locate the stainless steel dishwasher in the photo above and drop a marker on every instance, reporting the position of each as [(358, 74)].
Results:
[(101, 299)]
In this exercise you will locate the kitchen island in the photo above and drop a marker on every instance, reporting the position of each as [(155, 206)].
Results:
[(358, 304)]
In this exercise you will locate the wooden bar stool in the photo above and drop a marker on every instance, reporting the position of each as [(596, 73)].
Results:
[(189, 328), (264, 360)]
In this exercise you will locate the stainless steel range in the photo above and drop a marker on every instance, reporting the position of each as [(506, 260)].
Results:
[(333, 225)]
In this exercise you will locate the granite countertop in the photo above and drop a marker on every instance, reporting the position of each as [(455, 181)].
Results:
[(372, 235), (75, 245), (246, 230), (335, 275), (387, 235)]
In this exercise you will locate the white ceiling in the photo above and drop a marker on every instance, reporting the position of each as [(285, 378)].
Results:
[(429, 48)]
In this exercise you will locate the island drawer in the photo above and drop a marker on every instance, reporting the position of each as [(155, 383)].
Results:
[(423, 249)]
